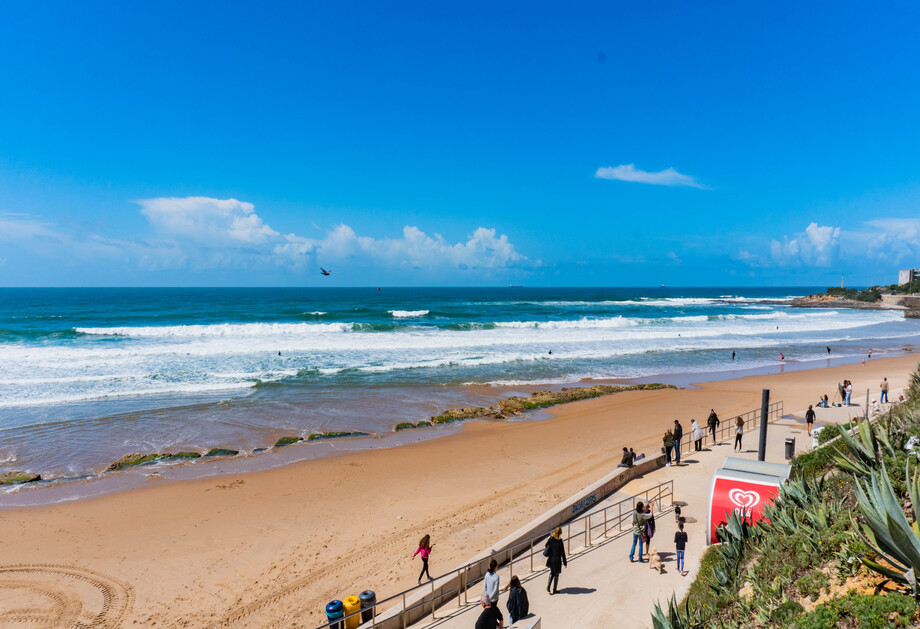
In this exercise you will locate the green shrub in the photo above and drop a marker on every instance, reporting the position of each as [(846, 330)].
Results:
[(865, 611)]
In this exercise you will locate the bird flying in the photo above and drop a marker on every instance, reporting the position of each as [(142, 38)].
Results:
[(324, 271)]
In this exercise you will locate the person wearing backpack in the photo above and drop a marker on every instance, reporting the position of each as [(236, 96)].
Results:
[(518, 605)]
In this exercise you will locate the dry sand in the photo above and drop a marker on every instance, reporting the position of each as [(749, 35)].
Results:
[(271, 548)]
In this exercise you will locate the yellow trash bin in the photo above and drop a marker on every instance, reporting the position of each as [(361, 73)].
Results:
[(352, 604)]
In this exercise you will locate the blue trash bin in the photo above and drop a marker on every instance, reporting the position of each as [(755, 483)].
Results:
[(334, 611)]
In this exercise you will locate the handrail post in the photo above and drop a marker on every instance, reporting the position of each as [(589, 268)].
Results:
[(404, 611), (431, 581), (510, 564), (459, 587), (620, 516), (605, 523), (588, 531), (568, 538), (531, 555)]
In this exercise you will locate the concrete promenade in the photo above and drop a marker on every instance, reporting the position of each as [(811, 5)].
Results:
[(601, 588)]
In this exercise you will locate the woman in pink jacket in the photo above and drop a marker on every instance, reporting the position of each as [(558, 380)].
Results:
[(424, 549)]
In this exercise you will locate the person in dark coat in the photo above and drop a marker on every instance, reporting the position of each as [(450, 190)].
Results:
[(555, 559), (713, 422), (678, 435), (518, 606)]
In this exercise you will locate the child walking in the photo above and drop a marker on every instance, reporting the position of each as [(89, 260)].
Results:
[(424, 549), (680, 540)]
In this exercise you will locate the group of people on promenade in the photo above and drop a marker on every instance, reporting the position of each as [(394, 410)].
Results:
[(643, 530), (672, 437), (518, 605)]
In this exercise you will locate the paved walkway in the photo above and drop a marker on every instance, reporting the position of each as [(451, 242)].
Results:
[(601, 588)]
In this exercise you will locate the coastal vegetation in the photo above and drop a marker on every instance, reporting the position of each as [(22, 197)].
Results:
[(838, 548), (872, 293)]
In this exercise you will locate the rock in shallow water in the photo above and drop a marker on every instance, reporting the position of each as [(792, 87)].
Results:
[(17, 478)]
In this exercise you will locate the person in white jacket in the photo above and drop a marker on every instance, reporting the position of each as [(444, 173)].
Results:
[(697, 432)]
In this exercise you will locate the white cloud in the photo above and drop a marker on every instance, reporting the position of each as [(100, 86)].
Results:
[(205, 233), (226, 222), (817, 246), (629, 172)]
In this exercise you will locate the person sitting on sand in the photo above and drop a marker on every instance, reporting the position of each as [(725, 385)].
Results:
[(491, 617)]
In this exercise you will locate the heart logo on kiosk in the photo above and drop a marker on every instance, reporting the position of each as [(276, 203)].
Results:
[(744, 499)]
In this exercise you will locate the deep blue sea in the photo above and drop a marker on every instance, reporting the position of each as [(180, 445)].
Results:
[(87, 375)]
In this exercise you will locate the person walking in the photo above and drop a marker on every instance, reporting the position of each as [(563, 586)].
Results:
[(810, 419), (739, 431), (680, 541), (678, 435), (424, 549), (668, 446), (555, 559), (649, 529), (713, 423), (696, 433), (518, 605), (490, 584), (491, 617), (884, 387), (638, 524)]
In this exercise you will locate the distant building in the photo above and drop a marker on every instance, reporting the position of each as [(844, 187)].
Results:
[(908, 276)]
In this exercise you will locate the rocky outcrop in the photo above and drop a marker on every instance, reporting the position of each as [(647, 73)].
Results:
[(286, 441), (539, 399), (334, 435), (222, 452), (18, 478), (468, 412), (135, 458)]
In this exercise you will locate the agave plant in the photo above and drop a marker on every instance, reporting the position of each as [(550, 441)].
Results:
[(886, 529), (676, 618), (872, 441), (734, 535)]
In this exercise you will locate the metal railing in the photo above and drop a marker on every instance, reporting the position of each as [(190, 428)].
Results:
[(726, 427), (606, 523)]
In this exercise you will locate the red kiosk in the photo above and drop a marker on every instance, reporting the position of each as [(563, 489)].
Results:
[(743, 486)]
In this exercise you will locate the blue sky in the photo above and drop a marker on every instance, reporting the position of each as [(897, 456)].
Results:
[(211, 144)]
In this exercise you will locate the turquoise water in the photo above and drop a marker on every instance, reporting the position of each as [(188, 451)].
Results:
[(109, 371)]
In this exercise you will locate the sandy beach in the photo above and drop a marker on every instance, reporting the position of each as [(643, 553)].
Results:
[(271, 548)]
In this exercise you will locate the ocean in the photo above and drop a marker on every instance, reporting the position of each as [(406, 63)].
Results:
[(87, 375)]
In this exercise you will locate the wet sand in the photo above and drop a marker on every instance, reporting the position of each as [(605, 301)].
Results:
[(273, 546)]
